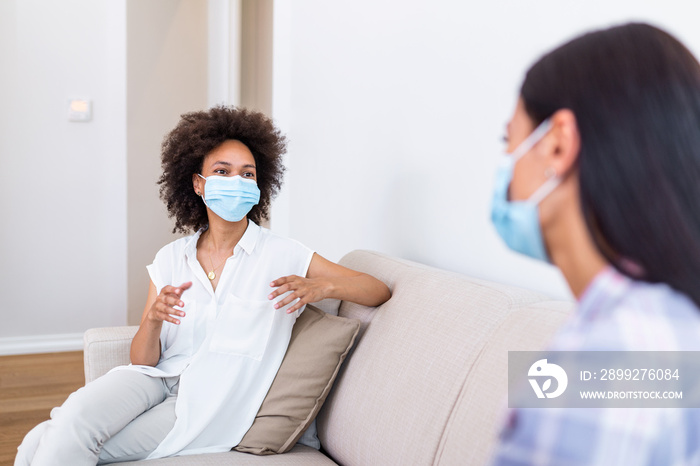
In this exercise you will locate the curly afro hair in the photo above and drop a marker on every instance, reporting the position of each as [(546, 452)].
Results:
[(197, 134)]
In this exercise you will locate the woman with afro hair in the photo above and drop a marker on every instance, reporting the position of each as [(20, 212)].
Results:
[(219, 312)]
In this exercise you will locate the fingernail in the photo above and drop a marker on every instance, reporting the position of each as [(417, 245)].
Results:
[(269, 297), (272, 284), (177, 290), (277, 306), (181, 304)]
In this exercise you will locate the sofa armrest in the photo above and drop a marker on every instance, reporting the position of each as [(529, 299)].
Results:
[(105, 348)]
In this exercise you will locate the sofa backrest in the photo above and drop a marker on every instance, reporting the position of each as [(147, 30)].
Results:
[(427, 382)]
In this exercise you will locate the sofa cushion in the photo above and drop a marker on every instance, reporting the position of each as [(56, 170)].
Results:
[(423, 356), (317, 348)]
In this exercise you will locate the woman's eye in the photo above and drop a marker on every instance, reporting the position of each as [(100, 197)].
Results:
[(249, 175), (220, 171)]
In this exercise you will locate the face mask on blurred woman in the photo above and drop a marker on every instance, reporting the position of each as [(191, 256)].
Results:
[(230, 197), (518, 222)]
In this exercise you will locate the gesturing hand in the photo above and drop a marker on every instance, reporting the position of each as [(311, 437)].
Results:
[(163, 309), (306, 290)]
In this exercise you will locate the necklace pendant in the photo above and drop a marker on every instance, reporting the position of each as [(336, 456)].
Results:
[(211, 275)]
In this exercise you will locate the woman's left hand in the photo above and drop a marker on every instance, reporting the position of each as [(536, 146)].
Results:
[(306, 290)]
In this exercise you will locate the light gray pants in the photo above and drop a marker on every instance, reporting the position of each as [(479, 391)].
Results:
[(121, 416)]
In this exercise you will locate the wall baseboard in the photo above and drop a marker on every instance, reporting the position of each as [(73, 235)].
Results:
[(41, 344)]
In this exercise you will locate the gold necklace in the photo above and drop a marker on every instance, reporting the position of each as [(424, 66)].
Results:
[(212, 275)]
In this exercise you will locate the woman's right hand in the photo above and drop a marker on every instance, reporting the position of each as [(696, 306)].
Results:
[(163, 308), (145, 347)]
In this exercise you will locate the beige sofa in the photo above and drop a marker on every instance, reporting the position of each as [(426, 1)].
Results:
[(424, 385)]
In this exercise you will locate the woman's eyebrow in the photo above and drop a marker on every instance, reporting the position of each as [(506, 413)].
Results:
[(229, 164)]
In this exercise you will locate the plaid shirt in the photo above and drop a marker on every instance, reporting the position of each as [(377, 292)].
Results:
[(614, 314)]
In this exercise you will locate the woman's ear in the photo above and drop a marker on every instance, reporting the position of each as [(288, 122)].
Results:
[(197, 184), (566, 142)]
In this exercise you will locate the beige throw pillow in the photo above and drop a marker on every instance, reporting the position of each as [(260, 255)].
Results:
[(319, 344)]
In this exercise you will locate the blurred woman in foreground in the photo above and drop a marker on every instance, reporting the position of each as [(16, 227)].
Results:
[(602, 178)]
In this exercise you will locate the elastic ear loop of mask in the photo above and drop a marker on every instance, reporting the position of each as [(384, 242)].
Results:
[(534, 137), (544, 190), (202, 192), (531, 140)]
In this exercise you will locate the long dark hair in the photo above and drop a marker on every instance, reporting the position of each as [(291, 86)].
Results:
[(635, 92)]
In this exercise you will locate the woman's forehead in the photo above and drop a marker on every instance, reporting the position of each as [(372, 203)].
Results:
[(230, 153)]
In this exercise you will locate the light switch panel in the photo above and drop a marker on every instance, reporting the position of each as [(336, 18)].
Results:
[(79, 110)]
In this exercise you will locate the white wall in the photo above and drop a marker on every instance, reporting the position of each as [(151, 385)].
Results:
[(223, 51), (167, 76), (79, 201), (395, 111), (62, 184)]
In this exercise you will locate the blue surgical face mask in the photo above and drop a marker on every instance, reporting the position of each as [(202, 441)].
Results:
[(518, 222), (230, 197)]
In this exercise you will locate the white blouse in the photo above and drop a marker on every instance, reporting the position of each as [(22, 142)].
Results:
[(231, 342)]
